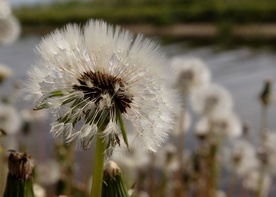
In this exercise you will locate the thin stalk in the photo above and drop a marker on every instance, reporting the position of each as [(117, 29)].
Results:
[(264, 123), (261, 182), (70, 170), (214, 163), (181, 141), (96, 189), (162, 186), (2, 182), (232, 185), (151, 181)]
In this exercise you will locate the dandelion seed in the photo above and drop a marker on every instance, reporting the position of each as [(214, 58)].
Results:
[(99, 77)]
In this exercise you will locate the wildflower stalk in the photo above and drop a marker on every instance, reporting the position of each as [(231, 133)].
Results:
[(96, 190), (181, 142), (214, 163), (2, 182), (261, 182), (1, 172), (151, 172), (265, 100), (113, 185), (19, 179), (232, 184), (264, 122)]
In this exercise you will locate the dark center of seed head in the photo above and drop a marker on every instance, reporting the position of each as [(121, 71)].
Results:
[(96, 84)]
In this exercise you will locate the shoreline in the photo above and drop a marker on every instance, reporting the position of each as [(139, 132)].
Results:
[(187, 30)]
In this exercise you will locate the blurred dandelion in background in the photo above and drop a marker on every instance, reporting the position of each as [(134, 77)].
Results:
[(191, 74), (210, 100), (10, 121), (9, 25), (5, 72), (5, 8)]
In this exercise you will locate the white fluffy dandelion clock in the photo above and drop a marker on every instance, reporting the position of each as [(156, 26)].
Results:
[(5, 8), (191, 74), (98, 77), (95, 78), (212, 100), (9, 29)]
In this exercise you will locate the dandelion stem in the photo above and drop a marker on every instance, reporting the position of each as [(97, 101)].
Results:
[(96, 190), (264, 123), (232, 184), (261, 182)]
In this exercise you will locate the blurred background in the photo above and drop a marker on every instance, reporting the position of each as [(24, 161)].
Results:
[(235, 39)]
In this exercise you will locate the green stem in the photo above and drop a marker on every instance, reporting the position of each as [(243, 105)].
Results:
[(232, 184), (264, 123), (261, 182), (96, 190)]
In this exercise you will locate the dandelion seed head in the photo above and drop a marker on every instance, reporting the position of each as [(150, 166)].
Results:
[(9, 29), (211, 100), (266, 153), (90, 76), (5, 72), (191, 74), (240, 157), (5, 9), (252, 181), (167, 159), (10, 120), (226, 125)]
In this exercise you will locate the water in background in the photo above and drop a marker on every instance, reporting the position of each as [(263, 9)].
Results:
[(242, 71)]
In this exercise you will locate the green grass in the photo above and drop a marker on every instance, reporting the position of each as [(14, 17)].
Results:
[(224, 14), (152, 12)]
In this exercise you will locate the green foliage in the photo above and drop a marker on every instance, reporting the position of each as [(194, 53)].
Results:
[(154, 12), (16, 187)]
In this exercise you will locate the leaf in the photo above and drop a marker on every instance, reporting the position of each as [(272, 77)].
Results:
[(123, 128)]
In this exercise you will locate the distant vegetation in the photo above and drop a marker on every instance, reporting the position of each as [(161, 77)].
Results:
[(152, 12), (224, 15)]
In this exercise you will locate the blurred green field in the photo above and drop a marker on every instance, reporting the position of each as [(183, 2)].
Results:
[(152, 12), (230, 21)]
